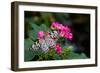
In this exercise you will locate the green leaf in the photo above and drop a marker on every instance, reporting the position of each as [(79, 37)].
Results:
[(27, 43), (57, 57), (28, 55)]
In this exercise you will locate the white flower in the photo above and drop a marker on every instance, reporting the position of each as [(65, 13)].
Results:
[(34, 47), (54, 34), (44, 46), (50, 42)]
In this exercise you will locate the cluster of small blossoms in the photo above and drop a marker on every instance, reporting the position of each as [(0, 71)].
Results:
[(63, 31), (47, 40)]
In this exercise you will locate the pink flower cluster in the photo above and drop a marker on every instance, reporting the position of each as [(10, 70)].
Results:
[(58, 48), (64, 31), (40, 35)]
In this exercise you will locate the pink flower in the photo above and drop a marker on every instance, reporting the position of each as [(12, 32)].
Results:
[(55, 25), (58, 49), (60, 27), (40, 35), (64, 31), (69, 36), (61, 33)]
